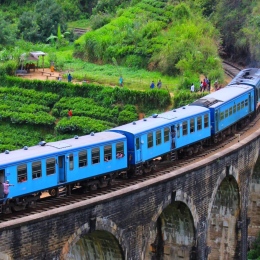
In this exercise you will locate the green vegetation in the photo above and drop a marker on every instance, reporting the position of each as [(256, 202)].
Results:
[(95, 108), (254, 254), (145, 40), (156, 36)]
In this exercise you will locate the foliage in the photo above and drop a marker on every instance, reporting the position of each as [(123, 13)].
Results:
[(107, 95), (83, 125), (147, 35), (7, 32), (183, 98), (39, 24), (254, 253), (8, 68)]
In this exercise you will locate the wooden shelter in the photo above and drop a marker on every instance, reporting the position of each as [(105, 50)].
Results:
[(32, 56)]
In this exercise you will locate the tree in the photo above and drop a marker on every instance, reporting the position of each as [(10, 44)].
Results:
[(7, 32), (40, 24), (28, 27)]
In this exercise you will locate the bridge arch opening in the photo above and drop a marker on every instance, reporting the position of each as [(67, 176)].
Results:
[(222, 229), (173, 237), (96, 245)]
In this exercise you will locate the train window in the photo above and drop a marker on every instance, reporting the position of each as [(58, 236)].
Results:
[(226, 113), (184, 128), (83, 159), (137, 143), (119, 150), (192, 125), (158, 137), (242, 104), (221, 116), (230, 111), (150, 140), (246, 102), (199, 123), (95, 155), (36, 170), (108, 153), (22, 172), (238, 106), (71, 161), (50, 166), (234, 109), (206, 121), (166, 134)]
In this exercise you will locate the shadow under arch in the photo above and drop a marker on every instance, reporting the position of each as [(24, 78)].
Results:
[(172, 232), (223, 215), (99, 239)]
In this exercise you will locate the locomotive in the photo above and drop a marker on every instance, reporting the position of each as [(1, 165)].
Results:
[(94, 161)]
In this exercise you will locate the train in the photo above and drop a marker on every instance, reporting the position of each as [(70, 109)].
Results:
[(94, 161)]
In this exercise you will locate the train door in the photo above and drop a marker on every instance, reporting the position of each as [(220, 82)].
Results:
[(173, 137), (2, 180), (2, 176), (216, 120), (249, 103), (62, 169), (138, 151)]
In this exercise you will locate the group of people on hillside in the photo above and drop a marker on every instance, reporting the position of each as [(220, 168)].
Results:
[(205, 85), (159, 84)]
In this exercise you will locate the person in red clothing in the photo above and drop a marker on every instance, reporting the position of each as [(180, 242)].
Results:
[(69, 113)]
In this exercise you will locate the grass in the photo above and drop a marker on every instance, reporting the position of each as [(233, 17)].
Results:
[(108, 74), (83, 24)]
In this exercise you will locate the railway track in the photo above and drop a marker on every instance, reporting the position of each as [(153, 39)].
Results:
[(230, 69), (48, 203)]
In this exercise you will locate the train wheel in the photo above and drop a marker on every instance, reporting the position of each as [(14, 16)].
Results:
[(53, 192)]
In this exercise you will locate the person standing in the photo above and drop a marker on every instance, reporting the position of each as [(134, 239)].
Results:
[(69, 78), (152, 85), (159, 84), (121, 81), (6, 186), (192, 88), (69, 113)]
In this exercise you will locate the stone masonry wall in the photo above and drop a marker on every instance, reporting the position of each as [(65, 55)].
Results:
[(131, 213)]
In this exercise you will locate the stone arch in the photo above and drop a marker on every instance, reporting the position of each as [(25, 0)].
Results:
[(224, 211), (254, 203), (179, 200), (96, 225), (228, 171)]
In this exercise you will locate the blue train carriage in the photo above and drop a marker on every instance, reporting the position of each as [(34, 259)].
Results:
[(230, 108), (87, 161), (167, 135), (250, 77)]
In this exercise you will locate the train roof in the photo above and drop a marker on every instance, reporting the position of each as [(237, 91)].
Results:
[(160, 120), (250, 76), (47, 149), (223, 95)]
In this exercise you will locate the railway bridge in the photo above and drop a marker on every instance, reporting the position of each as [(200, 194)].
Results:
[(205, 210)]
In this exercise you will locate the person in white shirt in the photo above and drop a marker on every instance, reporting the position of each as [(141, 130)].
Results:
[(192, 88)]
